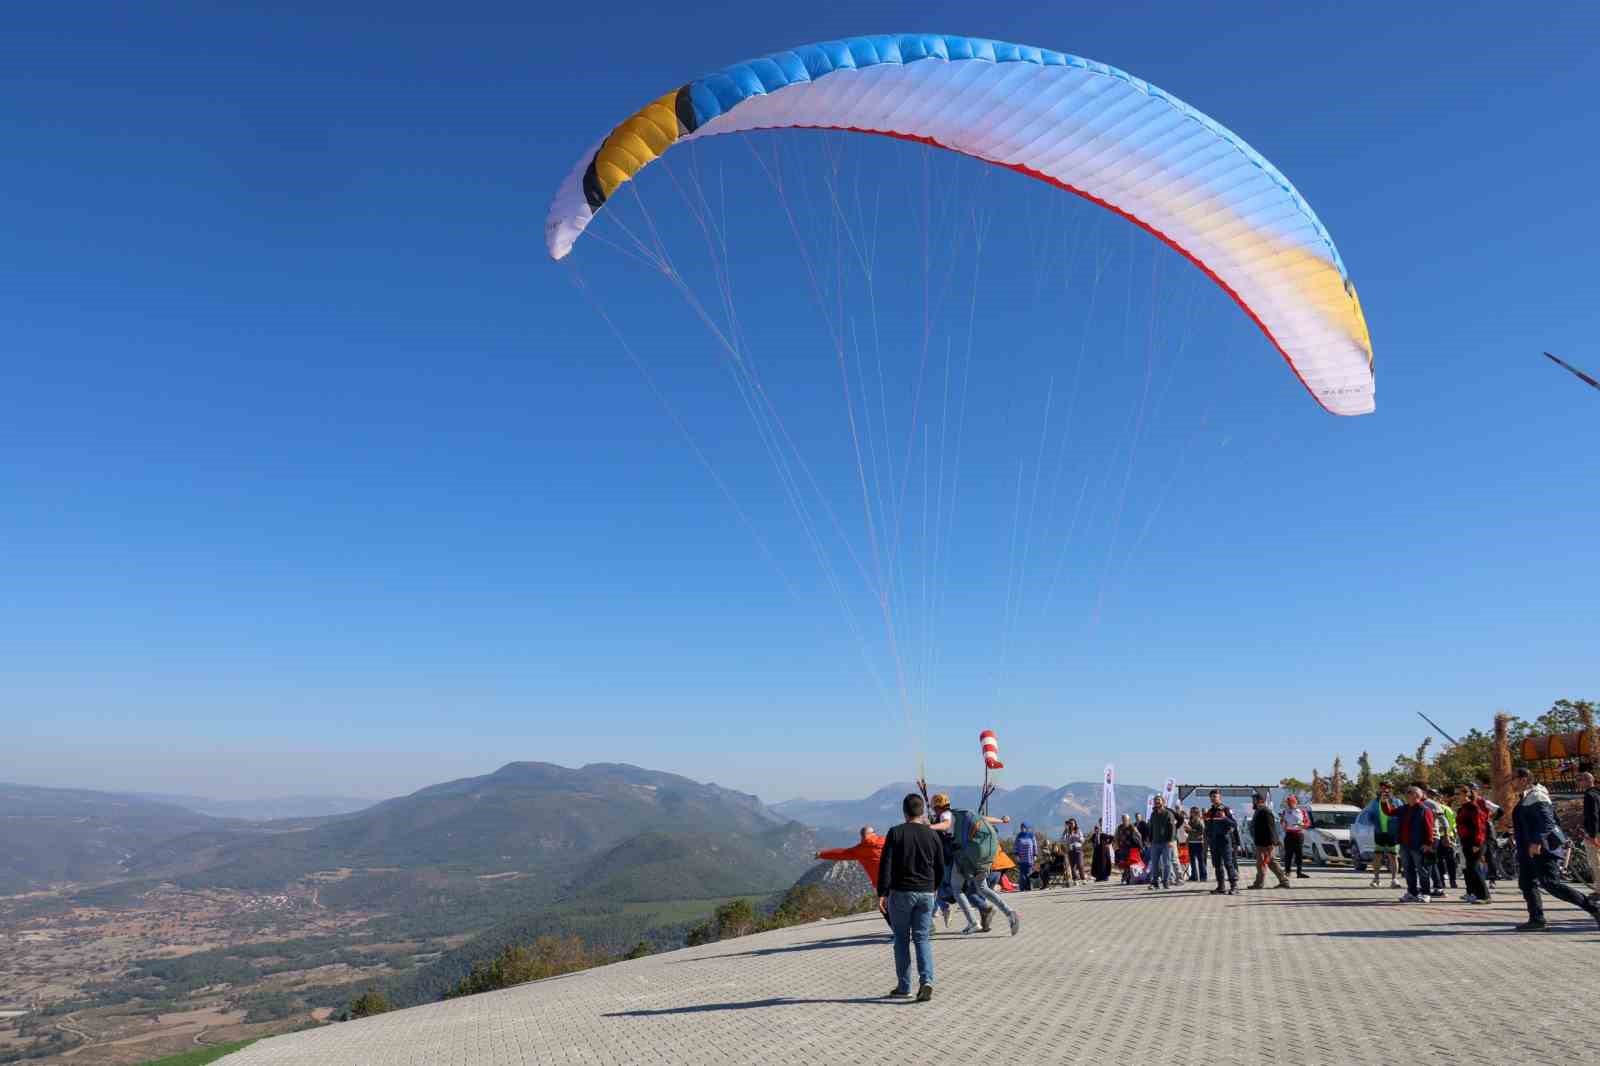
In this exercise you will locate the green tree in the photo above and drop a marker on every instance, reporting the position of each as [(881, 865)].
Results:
[(1409, 768), (545, 957), (1564, 716), (1294, 784), (369, 1003), (734, 918), (1468, 759)]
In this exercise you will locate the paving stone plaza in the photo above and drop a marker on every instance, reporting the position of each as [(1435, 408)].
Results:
[(1330, 971)]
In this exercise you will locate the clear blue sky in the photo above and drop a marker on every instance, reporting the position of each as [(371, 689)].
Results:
[(316, 474)]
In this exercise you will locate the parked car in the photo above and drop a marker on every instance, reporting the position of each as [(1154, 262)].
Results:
[(1362, 835), (1328, 843)]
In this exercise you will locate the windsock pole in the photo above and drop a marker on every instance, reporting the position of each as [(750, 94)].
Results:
[(990, 745)]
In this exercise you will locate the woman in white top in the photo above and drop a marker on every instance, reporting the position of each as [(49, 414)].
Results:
[(1296, 821)]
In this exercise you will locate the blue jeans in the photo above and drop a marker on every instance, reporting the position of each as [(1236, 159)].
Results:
[(1197, 860), (911, 915), (1159, 864), (981, 890), (1024, 875)]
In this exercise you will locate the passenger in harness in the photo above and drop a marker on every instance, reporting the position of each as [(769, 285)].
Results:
[(974, 846)]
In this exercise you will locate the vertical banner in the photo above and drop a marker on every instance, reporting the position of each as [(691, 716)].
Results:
[(1149, 805), (1108, 800), (1169, 791)]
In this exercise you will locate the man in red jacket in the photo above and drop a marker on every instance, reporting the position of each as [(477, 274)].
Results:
[(1477, 836), (868, 852), (1415, 829)]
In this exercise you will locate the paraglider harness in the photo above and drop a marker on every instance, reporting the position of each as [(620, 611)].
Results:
[(975, 843)]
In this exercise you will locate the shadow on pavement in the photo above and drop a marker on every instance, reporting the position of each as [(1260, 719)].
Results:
[(810, 945), (1408, 934), (752, 1004), (1279, 901)]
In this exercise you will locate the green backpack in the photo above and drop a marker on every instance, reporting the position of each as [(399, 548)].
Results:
[(976, 844)]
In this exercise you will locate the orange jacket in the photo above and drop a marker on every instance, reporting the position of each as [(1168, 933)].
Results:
[(869, 853)]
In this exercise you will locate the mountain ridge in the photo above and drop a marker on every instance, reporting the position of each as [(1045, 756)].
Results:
[(1045, 807)]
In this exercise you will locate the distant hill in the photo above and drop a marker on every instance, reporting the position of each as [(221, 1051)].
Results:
[(272, 808), (527, 817), (1048, 808), (59, 834), (662, 865)]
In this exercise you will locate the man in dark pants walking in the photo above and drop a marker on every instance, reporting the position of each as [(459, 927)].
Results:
[(1540, 844), (1264, 835), (908, 875), (1591, 828), (1220, 832)]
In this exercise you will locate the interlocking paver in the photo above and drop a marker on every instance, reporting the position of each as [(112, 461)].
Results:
[(1330, 971)]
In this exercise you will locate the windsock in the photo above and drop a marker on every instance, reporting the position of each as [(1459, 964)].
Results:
[(991, 750)]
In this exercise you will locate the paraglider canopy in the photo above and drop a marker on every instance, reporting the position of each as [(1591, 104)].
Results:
[(1083, 126)]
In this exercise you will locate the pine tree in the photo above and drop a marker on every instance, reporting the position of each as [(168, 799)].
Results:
[(1365, 788)]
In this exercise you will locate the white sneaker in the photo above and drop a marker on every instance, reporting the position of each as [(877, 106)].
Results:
[(1409, 898), (1438, 895)]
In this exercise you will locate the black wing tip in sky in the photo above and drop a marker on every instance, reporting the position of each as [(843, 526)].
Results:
[(1580, 375)]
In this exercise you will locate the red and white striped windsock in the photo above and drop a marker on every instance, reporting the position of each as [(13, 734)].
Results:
[(991, 750)]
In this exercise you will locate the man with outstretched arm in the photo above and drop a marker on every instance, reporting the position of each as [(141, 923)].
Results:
[(868, 851), (908, 875)]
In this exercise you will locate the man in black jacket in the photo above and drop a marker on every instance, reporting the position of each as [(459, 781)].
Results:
[(908, 875), (1264, 834), (1540, 844), (1221, 829), (1591, 829)]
